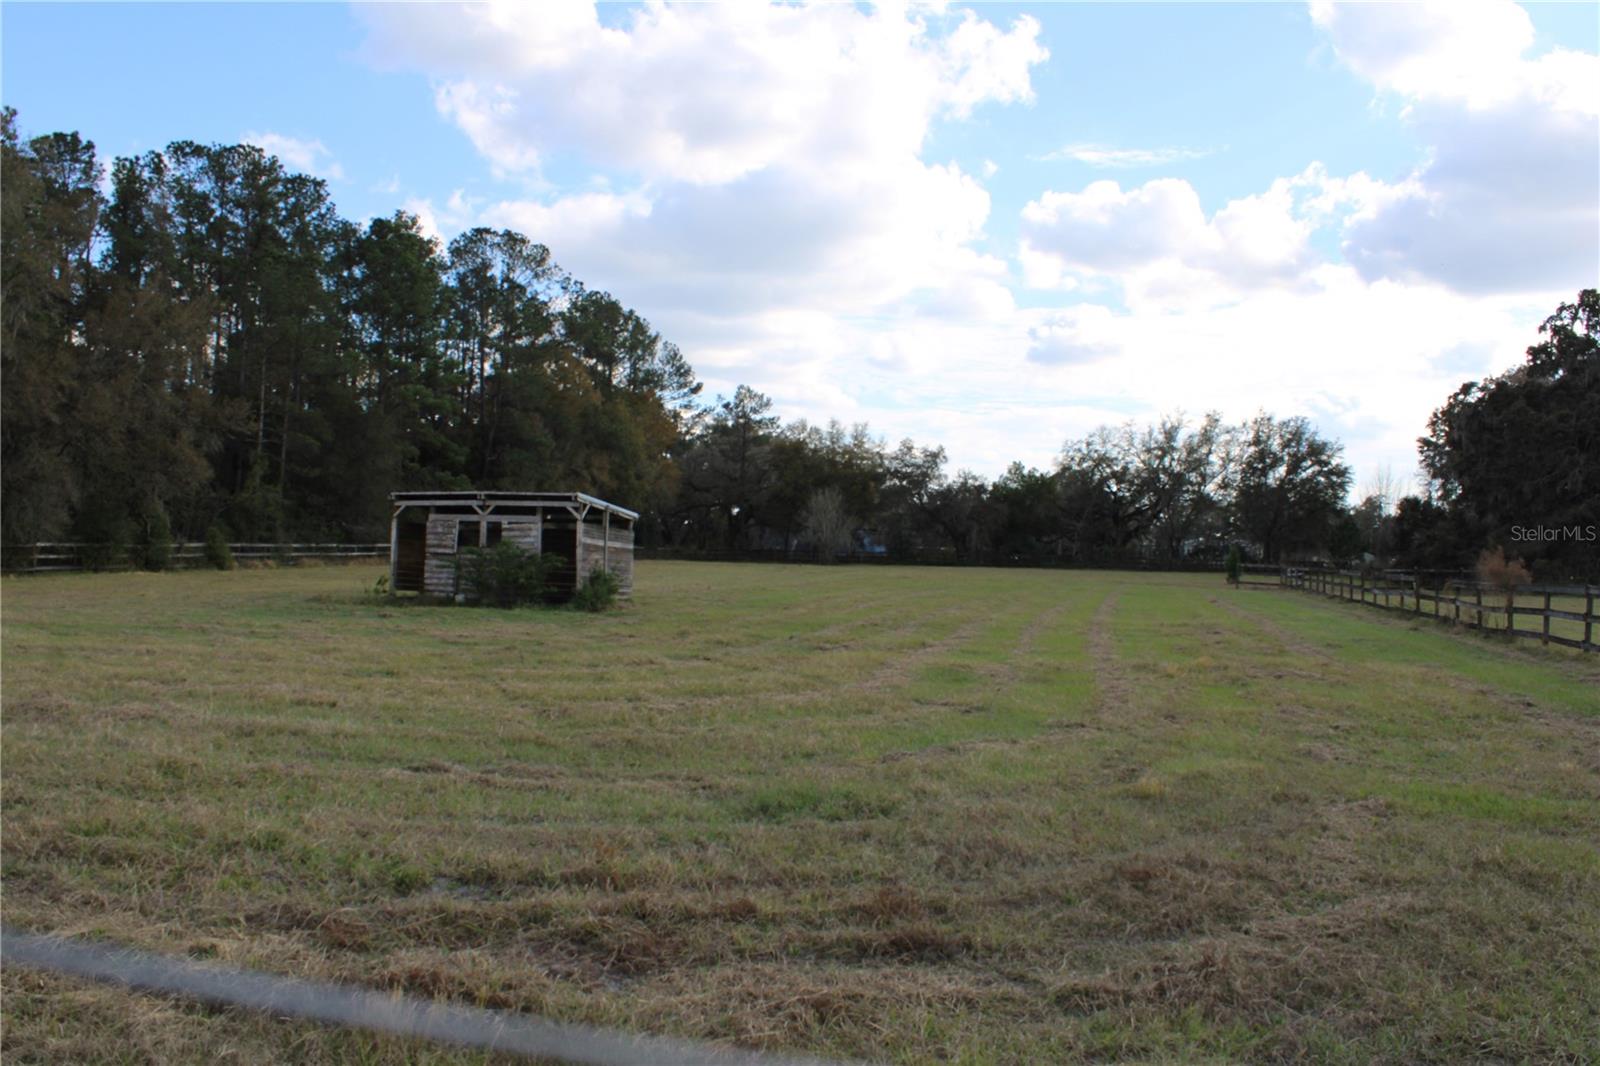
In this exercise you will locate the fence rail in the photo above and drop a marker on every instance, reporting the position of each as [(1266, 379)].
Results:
[(930, 557), (64, 556), (1462, 601)]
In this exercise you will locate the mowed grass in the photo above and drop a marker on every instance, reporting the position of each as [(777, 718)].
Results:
[(895, 814)]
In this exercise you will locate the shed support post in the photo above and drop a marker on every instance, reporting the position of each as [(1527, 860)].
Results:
[(394, 547)]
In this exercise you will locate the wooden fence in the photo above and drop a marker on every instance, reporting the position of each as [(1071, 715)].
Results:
[(1550, 614), (1260, 576), (55, 557), (929, 557)]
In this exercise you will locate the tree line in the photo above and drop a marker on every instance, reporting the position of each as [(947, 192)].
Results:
[(208, 344), (201, 344), (1159, 494)]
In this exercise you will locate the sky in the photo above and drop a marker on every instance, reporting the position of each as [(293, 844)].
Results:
[(990, 227)]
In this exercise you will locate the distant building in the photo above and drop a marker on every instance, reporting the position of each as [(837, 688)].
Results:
[(429, 529)]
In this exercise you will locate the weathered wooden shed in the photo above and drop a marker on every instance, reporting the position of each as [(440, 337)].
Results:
[(428, 529)]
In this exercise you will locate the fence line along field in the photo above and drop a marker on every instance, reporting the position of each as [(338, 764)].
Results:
[(894, 814), (1562, 615)]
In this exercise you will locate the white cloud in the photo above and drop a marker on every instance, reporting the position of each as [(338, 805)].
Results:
[(1103, 155), (983, 63), (1367, 361), (1470, 51), (1106, 229), (1509, 200), (704, 93), (1082, 334), (307, 157), (769, 156), (1157, 244), (441, 222), (780, 239)]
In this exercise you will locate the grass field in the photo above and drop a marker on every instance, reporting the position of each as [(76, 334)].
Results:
[(895, 814)]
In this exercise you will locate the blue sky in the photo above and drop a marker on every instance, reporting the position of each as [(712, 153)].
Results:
[(993, 228)]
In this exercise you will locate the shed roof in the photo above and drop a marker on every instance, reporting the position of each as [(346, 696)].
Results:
[(524, 499)]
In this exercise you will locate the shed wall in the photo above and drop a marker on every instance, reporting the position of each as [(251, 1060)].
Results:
[(439, 572)]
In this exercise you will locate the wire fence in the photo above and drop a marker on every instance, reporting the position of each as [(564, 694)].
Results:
[(343, 1005)]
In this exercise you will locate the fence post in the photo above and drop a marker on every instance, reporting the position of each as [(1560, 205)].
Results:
[(1478, 590), (1546, 639), (1588, 616)]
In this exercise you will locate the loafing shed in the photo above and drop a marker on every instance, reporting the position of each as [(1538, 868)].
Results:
[(428, 529)]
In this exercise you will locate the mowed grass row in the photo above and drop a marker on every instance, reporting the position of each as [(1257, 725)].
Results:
[(888, 813)]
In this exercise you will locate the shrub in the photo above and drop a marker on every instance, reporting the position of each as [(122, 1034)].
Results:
[(503, 576), (155, 542), (1504, 576), (1235, 565), (218, 554), (598, 591)]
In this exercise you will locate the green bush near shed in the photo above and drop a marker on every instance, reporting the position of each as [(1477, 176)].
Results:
[(598, 591), (504, 575)]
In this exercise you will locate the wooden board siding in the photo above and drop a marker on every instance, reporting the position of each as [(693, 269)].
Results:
[(622, 567), (617, 555), (439, 573), (525, 533)]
